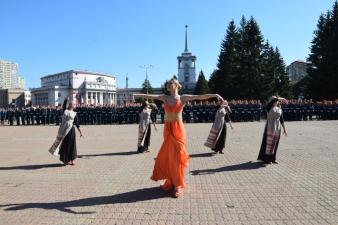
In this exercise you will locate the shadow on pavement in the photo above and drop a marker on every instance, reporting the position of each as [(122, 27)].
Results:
[(243, 166), (128, 197), (209, 154), (32, 167), (109, 154)]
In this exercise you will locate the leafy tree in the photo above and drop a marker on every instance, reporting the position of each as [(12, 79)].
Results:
[(281, 77), (248, 67), (323, 74), (251, 60), (267, 76), (202, 86), (223, 80), (146, 87)]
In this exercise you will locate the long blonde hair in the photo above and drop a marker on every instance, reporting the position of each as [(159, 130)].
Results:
[(175, 81)]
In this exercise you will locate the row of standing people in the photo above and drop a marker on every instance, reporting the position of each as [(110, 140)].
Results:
[(87, 115), (31, 115), (303, 110), (242, 111)]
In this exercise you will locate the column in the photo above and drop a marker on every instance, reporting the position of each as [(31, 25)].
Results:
[(87, 97), (100, 97)]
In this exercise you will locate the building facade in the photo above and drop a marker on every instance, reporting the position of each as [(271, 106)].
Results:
[(12, 97), (8, 74), (125, 95), (297, 70), (187, 68), (21, 82), (84, 87)]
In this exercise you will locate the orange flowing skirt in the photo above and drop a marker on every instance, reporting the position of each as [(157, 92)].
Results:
[(172, 158)]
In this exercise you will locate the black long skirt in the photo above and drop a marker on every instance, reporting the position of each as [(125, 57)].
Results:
[(68, 151), (146, 141), (220, 144), (262, 156)]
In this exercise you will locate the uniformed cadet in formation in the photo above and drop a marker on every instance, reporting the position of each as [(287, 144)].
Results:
[(2, 115), (303, 110), (194, 112)]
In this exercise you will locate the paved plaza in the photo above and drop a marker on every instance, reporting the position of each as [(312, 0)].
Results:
[(110, 183)]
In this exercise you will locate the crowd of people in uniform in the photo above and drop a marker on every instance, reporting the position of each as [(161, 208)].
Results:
[(196, 112)]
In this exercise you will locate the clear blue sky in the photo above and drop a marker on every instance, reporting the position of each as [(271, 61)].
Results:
[(116, 36)]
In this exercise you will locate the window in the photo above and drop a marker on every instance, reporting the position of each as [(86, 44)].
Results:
[(186, 68), (59, 94)]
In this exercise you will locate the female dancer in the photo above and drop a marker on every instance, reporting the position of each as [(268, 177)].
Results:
[(66, 135), (144, 128), (172, 158), (218, 132), (272, 131)]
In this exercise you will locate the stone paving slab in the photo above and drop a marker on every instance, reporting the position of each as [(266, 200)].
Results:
[(110, 183)]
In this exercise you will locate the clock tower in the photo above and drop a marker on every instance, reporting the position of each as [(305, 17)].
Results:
[(187, 67)]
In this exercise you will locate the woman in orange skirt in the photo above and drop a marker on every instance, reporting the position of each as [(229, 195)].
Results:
[(173, 158)]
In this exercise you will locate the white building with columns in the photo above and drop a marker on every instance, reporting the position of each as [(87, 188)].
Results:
[(85, 87)]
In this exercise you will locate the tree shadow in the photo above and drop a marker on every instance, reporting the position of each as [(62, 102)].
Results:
[(32, 167), (209, 154), (243, 166), (65, 206), (108, 154)]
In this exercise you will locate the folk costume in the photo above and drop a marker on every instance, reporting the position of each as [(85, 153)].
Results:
[(65, 142), (272, 132), (144, 130), (217, 136)]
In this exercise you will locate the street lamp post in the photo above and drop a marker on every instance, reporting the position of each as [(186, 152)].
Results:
[(146, 67)]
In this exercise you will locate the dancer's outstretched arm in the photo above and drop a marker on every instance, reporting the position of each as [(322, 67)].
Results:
[(154, 122), (228, 110), (282, 123), (77, 125), (202, 97), (64, 105), (230, 123), (153, 97)]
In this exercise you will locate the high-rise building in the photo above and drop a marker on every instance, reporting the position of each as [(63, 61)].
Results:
[(21, 82), (297, 70), (187, 67), (8, 74)]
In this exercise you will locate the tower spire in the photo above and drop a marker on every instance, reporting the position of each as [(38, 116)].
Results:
[(186, 38)]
